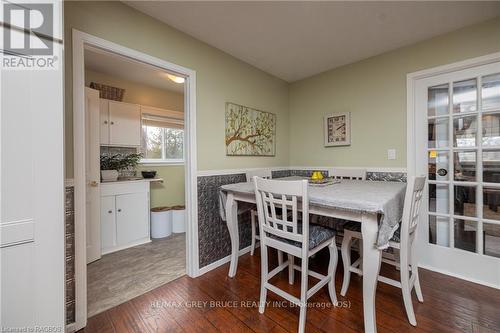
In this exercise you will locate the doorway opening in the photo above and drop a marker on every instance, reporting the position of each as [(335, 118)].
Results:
[(135, 174)]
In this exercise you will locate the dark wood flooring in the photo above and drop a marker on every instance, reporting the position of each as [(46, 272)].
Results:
[(216, 303)]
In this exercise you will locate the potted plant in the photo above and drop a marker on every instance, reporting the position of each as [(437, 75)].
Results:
[(128, 164), (114, 165), (110, 165)]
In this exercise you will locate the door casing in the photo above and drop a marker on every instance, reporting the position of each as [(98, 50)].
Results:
[(82, 40)]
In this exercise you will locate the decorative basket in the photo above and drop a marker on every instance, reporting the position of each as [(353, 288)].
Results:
[(108, 92)]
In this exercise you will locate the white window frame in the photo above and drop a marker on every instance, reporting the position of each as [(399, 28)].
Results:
[(170, 161)]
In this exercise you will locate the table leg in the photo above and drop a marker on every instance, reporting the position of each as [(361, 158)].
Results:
[(232, 226), (371, 268)]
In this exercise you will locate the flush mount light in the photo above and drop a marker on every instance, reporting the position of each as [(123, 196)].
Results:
[(176, 79)]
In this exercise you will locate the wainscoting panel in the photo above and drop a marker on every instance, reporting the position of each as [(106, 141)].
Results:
[(386, 176), (70, 254), (214, 241)]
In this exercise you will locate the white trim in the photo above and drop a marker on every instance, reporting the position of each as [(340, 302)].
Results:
[(80, 40), (368, 169), (222, 261), (458, 276), (126, 246), (204, 173), (152, 162), (219, 172), (70, 328)]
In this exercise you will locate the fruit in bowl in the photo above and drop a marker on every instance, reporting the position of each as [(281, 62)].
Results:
[(317, 175)]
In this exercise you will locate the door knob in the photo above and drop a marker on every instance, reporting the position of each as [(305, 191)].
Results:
[(94, 183)]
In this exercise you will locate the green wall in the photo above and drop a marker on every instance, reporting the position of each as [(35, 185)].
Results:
[(171, 191), (221, 78), (374, 91)]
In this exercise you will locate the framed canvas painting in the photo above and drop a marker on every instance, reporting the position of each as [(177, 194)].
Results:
[(337, 129), (249, 132)]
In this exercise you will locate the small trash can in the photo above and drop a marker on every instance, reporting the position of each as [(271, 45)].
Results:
[(161, 222), (178, 219)]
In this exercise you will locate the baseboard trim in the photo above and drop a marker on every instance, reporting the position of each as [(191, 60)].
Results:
[(221, 262), (461, 277), (70, 328)]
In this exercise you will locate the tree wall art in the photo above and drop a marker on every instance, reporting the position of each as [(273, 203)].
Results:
[(249, 132)]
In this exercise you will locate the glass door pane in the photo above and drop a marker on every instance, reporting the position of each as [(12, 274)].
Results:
[(465, 96), (438, 165), (491, 92), (491, 130), (438, 133), (438, 100), (491, 239), (464, 131)]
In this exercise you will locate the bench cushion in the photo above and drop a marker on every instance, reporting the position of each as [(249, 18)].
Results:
[(317, 235)]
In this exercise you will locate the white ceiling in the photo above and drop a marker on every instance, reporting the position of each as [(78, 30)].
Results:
[(127, 69), (293, 40)]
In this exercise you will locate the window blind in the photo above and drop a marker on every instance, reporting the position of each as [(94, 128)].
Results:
[(161, 121)]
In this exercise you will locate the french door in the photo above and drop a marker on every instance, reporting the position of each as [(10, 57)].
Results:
[(458, 148)]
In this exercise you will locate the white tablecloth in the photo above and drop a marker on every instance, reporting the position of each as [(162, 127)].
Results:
[(383, 198)]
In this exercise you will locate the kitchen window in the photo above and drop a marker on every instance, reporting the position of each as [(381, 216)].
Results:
[(162, 140)]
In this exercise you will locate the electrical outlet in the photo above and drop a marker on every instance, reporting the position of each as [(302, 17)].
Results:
[(391, 154)]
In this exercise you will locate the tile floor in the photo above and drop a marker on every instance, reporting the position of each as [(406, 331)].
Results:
[(120, 276)]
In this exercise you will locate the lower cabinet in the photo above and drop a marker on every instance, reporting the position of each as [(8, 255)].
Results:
[(124, 215), (131, 209)]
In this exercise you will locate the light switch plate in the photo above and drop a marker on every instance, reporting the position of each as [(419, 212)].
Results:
[(391, 154)]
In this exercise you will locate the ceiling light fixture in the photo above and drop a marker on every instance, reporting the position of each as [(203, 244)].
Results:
[(176, 79)]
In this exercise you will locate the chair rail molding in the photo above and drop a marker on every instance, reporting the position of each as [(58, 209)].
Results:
[(218, 172)]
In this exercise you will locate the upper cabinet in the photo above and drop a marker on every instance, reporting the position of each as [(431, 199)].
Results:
[(120, 123), (104, 121)]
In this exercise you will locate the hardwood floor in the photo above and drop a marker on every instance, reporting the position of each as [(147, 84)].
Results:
[(216, 303)]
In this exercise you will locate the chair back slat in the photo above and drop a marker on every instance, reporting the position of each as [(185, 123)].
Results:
[(353, 174), (413, 201), (262, 173), (287, 196)]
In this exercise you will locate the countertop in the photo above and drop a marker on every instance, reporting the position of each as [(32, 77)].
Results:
[(131, 180)]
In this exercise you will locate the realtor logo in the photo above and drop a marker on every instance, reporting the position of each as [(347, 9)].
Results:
[(28, 29)]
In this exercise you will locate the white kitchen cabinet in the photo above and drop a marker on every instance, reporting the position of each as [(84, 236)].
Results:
[(120, 123), (131, 211), (124, 215), (104, 122), (108, 223)]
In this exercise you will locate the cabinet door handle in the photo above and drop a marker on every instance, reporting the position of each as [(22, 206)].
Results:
[(105, 122), (110, 211), (119, 210), (112, 123)]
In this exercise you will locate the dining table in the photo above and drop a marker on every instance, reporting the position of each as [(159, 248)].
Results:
[(376, 205)]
